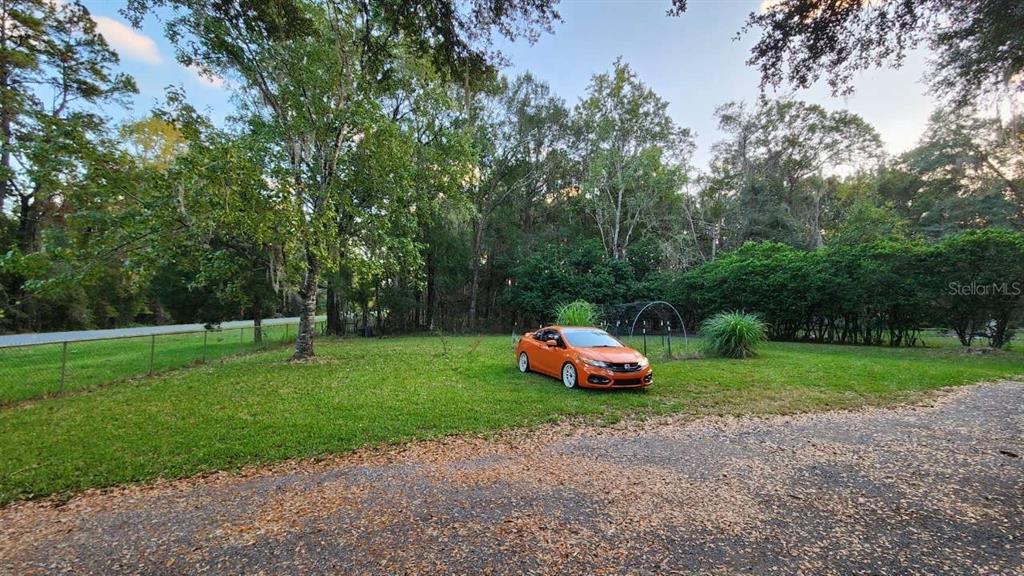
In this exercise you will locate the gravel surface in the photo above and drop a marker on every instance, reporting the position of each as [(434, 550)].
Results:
[(915, 490)]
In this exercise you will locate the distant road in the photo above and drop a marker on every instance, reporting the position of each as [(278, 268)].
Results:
[(82, 335)]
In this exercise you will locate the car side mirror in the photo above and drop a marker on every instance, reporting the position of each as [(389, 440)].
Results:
[(552, 343)]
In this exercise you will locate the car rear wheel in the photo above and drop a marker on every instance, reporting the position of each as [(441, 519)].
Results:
[(524, 363), (569, 375)]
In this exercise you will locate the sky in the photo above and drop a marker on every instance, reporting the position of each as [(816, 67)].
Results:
[(693, 61)]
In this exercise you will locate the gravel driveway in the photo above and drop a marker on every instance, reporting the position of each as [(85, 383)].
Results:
[(934, 489)]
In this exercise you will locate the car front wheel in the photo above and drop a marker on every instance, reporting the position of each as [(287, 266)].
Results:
[(524, 363), (569, 375)]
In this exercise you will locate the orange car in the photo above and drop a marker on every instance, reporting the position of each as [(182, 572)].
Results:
[(584, 357)]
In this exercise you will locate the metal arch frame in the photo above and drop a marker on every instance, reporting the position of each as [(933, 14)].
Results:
[(682, 324)]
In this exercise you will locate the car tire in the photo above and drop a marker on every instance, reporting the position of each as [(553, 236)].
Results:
[(570, 377), (523, 363)]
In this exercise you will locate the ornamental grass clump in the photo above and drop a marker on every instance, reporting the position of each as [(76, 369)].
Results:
[(577, 313), (733, 334)]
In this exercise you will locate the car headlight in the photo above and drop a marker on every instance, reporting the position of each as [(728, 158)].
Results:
[(644, 362), (596, 363)]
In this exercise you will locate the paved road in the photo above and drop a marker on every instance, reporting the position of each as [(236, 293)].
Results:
[(82, 335), (910, 491)]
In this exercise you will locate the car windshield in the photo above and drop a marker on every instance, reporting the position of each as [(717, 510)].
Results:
[(590, 339)]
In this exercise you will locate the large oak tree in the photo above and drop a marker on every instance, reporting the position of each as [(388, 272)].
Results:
[(312, 73)]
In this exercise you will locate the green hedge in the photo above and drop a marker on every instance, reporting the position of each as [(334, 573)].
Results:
[(874, 293)]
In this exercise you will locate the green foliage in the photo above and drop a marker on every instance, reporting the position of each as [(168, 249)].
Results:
[(982, 275), (558, 274), (374, 151), (865, 222), (732, 334), (577, 313), (775, 159), (873, 293), (632, 154), (57, 71), (977, 46), (967, 173)]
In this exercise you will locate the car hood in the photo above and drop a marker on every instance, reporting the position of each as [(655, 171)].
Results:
[(620, 355)]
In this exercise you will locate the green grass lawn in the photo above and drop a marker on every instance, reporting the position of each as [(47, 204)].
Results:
[(34, 371), (259, 408)]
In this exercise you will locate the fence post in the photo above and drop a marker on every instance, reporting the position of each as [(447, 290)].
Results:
[(206, 333), (670, 340), (63, 366), (152, 349), (645, 339)]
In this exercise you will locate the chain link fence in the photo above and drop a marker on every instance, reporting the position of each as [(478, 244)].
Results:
[(79, 362)]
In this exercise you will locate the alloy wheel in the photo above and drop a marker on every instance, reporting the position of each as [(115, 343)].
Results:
[(569, 375)]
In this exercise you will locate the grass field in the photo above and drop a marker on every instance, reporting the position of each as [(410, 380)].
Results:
[(259, 408), (34, 371)]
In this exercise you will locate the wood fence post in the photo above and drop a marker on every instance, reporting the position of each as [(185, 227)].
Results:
[(63, 365)]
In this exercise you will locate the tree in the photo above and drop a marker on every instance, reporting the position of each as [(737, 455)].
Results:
[(427, 149), (775, 160), (632, 154), (865, 222), (984, 288), (515, 130), (54, 70), (970, 173), (978, 47), (225, 221), (557, 274), (311, 74), (55, 73), (154, 142), (696, 237)]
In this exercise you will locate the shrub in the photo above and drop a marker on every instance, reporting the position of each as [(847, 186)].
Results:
[(878, 292), (558, 274), (982, 275), (577, 313), (732, 334)]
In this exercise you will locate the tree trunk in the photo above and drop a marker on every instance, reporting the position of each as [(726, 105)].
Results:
[(307, 314), (431, 289), (815, 241), (5, 152), (474, 287), (366, 318), (615, 231), (379, 312), (257, 318), (335, 321), (1000, 330), (27, 229)]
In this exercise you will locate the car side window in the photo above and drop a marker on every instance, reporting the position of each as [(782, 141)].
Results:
[(542, 335)]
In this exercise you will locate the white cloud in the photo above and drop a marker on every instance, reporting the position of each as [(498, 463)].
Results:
[(128, 43), (208, 80)]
